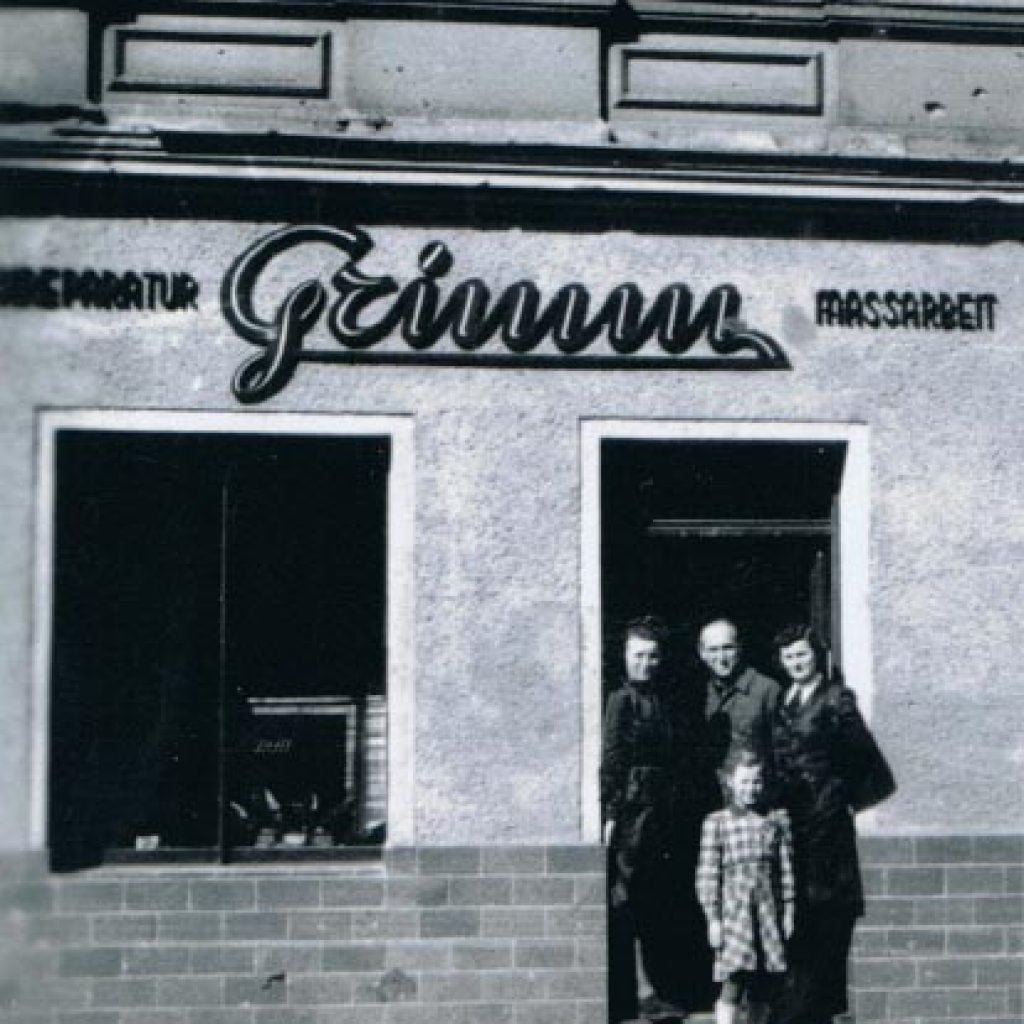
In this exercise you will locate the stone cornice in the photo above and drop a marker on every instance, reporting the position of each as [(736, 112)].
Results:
[(91, 168), (933, 22), (967, 24)]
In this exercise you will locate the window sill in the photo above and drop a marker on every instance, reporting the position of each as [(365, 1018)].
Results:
[(347, 859)]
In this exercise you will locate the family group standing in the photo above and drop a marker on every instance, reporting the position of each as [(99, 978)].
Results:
[(728, 810)]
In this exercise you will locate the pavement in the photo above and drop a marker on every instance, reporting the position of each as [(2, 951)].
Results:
[(673, 1018)]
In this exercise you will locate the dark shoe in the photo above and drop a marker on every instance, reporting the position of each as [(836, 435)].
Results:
[(653, 1008)]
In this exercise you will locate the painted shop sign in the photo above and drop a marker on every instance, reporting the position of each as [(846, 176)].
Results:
[(896, 310), (319, 293), (69, 288), (468, 323)]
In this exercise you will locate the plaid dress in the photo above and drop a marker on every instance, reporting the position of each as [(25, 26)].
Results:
[(744, 876)]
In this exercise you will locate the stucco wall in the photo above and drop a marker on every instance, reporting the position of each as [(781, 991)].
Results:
[(497, 555)]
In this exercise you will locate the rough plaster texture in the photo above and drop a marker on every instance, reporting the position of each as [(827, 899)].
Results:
[(497, 564), (936, 86), (42, 56), (427, 69)]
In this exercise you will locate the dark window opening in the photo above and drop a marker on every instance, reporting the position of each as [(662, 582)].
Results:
[(218, 672)]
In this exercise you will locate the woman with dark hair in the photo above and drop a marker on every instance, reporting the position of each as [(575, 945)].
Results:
[(638, 769), (828, 768)]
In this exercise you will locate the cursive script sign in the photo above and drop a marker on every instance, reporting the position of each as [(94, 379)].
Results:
[(469, 324)]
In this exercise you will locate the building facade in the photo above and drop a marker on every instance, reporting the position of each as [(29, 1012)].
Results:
[(369, 365)]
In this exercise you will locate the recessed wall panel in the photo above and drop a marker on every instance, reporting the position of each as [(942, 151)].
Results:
[(221, 63), (653, 78)]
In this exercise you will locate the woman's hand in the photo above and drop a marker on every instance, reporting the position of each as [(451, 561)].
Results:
[(620, 894), (715, 934), (788, 920)]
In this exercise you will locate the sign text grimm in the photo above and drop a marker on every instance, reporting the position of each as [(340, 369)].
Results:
[(486, 329)]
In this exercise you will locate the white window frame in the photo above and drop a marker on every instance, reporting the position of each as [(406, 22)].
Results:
[(399, 610), (854, 551)]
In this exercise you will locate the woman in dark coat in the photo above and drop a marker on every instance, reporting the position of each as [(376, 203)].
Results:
[(828, 768), (643, 748)]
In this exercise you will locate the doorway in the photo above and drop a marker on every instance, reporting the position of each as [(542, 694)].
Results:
[(762, 523)]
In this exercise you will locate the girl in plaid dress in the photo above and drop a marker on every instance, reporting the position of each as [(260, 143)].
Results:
[(745, 885)]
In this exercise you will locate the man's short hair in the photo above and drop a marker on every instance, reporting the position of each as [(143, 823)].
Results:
[(725, 620)]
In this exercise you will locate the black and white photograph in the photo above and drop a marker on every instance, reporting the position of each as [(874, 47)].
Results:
[(513, 512)]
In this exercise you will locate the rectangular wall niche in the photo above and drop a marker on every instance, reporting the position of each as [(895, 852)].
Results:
[(741, 82), (191, 62)]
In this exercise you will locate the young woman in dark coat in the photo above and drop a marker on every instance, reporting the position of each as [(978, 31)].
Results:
[(657, 954), (828, 768)]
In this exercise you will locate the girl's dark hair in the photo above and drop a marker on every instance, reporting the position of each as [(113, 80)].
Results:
[(793, 634)]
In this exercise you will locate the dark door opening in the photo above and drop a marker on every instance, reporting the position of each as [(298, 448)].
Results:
[(745, 530), (697, 530)]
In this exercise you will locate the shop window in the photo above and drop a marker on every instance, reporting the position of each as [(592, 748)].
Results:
[(748, 530), (218, 665)]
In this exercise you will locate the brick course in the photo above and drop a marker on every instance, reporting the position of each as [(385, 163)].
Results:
[(513, 935)]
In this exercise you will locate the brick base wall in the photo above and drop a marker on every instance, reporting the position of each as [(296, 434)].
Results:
[(513, 935), (943, 939), (432, 936)]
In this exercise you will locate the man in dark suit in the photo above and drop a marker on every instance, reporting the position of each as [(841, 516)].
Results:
[(739, 704)]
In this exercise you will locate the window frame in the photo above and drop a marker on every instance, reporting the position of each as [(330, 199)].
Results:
[(399, 582), (852, 539)]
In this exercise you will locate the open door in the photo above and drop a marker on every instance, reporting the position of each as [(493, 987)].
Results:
[(693, 530)]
